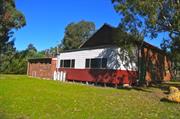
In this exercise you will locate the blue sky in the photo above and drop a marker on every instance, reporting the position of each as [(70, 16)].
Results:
[(47, 19)]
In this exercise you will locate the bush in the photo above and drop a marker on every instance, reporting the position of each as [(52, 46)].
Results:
[(173, 90), (174, 95)]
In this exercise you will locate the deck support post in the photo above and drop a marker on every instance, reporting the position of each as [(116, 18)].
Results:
[(104, 84), (115, 86)]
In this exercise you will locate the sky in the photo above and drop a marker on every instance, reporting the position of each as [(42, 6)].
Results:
[(47, 19)]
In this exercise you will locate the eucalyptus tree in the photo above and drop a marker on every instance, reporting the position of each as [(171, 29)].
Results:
[(10, 19), (150, 18), (77, 33)]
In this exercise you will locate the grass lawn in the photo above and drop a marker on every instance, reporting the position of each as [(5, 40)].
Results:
[(22, 97)]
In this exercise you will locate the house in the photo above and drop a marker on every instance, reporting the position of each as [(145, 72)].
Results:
[(100, 60), (41, 67), (154, 64)]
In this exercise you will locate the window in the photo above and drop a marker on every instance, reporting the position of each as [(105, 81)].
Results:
[(67, 63), (96, 63), (73, 63), (62, 63), (104, 63), (87, 63)]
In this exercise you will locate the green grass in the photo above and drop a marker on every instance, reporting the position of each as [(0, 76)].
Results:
[(22, 97)]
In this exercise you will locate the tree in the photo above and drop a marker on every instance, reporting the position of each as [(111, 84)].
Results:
[(31, 48), (149, 18), (31, 51), (77, 33), (10, 18), (6, 57), (17, 63), (155, 17)]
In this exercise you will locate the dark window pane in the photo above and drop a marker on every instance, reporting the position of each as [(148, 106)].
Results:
[(95, 63), (87, 63), (61, 63), (72, 63), (67, 63), (104, 63)]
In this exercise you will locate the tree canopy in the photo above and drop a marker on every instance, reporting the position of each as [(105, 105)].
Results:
[(15, 62), (77, 33), (10, 18), (149, 18)]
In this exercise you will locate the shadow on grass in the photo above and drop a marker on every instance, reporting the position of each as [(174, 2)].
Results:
[(143, 89), (3, 116), (162, 87), (168, 101), (165, 86)]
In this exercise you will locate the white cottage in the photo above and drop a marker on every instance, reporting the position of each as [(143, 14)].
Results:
[(100, 60)]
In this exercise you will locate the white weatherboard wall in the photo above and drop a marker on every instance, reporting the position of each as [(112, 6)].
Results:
[(115, 59)]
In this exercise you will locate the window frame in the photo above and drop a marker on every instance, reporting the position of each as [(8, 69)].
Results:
[(106, 60), (89, 62), (72, 65), (100, 62)]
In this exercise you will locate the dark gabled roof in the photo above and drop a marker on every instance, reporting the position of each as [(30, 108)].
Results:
[(146, 44), (105, 36), (102, 37), (87, 48)]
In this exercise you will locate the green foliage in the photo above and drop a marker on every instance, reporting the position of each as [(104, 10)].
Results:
[(149, 18), (126, 41), (16, 63), (77, 33), (10, 18), (51, 52), (31, 98)]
